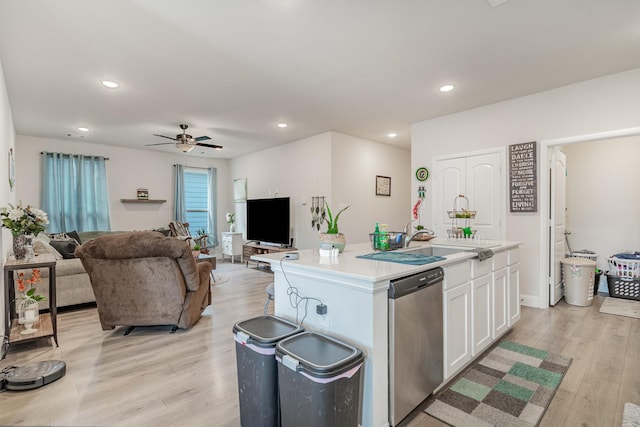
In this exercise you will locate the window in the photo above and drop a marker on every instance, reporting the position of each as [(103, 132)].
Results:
[(196, 200), (74, 192), (196, 195)]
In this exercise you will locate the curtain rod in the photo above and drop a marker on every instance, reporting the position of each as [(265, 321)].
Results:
[(65, 154), (193, 167)]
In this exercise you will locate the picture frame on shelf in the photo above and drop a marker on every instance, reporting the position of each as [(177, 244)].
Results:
[(143, 194), (383, 185)]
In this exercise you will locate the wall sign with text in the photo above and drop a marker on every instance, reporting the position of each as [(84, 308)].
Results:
[(523, 181)]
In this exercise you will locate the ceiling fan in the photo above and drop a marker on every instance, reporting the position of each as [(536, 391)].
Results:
[(185, 142)]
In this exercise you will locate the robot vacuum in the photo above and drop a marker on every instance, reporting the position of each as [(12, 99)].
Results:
[(31, 376)]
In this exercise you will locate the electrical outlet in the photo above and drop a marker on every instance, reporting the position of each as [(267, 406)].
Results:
[(324, 320)]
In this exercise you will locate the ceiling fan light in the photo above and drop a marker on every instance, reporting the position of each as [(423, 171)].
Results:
[(185, 148)]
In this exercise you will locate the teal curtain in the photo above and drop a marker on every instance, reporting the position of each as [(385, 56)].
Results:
[(213, 203), (180, 212), (74, 192)]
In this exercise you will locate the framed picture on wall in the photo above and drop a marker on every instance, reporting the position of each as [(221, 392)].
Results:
[(383, 185), (240, 189)]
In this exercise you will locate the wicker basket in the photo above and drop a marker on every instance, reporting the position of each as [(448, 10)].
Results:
[(623, 288), (625, 269)]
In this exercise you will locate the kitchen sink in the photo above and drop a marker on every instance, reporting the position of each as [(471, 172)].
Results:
[(432, 251)]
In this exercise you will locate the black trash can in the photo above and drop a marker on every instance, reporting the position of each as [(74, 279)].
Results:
[(320, 380), (257, 368)]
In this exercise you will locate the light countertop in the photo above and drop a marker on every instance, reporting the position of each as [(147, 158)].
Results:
[(347, 263)]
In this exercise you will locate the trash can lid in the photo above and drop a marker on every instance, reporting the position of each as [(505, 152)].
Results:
[(265, 331), (578, 261), (318, 354)]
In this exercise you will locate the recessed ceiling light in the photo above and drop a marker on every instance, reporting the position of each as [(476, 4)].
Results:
[(392, 135), (282, 125), (110, 84), (83, 129), (446, 88)]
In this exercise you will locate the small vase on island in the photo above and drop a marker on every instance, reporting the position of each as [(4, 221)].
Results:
[(336, 240)]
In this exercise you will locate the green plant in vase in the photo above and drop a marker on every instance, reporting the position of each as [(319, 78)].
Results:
[(332, 236)]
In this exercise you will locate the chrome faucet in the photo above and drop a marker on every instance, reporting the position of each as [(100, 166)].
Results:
[(410, 238), (406, 227)]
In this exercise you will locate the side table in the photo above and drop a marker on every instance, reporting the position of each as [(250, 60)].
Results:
[(48, 326)]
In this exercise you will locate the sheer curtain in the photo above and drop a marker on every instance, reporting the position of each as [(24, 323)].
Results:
[(180, 213), (213, 206), (74, 192)]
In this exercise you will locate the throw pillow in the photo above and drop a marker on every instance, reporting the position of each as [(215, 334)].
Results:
[(75, 236), (65, 247)]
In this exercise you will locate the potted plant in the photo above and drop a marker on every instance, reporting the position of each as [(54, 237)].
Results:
[(231, 220), (196, 250), (332, 236), (24, 223)]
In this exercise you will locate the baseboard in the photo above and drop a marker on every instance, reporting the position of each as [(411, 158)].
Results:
[(532, 301)]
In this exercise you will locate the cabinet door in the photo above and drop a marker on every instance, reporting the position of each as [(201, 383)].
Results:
[(482, 313), (457, 327), (480, 178), (500, 303), (226, 244), (513, 296)]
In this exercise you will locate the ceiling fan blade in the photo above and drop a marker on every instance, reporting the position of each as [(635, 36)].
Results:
[(160, 143), (162, 136), (219, 147), (202, 138)]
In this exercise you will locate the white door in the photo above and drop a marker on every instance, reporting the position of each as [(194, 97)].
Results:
[(449, 181), (483, 190), (557, 216), (479, 177)]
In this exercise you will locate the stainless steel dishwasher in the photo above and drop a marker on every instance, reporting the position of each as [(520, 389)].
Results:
[(415, 341)]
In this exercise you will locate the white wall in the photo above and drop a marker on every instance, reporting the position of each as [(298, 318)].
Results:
[(7, 141), (603, 206), (599, 105), (341, 168), (355, 164), (127, 170)]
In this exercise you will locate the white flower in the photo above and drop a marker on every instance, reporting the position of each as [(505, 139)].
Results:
[(14, 214), (41, 216)]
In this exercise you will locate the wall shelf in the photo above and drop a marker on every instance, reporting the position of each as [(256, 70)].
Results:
[(142, 201)]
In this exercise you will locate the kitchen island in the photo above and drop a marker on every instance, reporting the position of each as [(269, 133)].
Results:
[(354, 291)]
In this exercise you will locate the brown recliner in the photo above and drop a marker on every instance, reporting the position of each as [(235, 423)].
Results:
[(145, 279)]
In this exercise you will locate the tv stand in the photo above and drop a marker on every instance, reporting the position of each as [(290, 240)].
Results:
[(249, 249)]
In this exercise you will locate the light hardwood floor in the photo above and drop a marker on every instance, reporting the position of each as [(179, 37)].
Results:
[(154, 378)]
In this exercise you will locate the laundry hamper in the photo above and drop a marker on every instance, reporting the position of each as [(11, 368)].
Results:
[(624, 275)]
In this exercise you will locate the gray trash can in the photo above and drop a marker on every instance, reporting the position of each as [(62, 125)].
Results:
[(319, 379), (578, 274), (257, 368)]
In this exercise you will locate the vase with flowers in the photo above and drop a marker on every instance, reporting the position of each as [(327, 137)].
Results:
[(28, 310), (24, 223), (332, 236), (231, 220)]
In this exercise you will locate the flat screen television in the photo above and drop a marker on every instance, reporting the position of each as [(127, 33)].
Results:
[(268, 221)]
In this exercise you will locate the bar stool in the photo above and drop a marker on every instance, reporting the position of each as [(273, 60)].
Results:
[(270, 292)]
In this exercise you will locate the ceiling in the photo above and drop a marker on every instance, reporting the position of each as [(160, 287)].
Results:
[(233, 70)]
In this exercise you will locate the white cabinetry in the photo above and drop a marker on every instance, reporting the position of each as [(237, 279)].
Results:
[(231, 245), (500, 294), (513, 295), (457, 317), (481, 302)]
